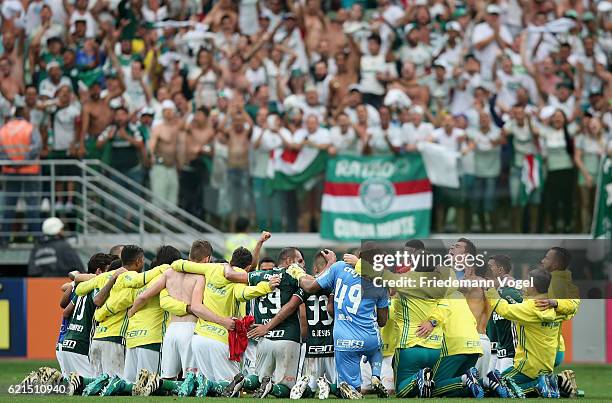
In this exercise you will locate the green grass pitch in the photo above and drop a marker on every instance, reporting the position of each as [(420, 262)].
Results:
[(595, 380)]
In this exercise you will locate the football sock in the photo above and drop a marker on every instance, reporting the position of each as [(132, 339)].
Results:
[(217, 387), (280, 391), (333, 390), (251, 382), (308, 393), (170, 386)]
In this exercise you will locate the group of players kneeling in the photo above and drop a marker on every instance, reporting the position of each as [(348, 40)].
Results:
[(201, 327)]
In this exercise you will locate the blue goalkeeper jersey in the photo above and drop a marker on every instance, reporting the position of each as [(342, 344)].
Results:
[(355, 303)]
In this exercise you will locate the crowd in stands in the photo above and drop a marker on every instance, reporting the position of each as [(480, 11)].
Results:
[(189, 98)]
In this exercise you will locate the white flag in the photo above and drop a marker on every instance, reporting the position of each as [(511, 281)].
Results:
[(441, 164)]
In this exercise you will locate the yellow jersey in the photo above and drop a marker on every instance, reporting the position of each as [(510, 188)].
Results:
[(413, 304), (112, 316), (221, 296), (148, 325), (390, 333), (95, 283), (563, 289), (139, 280), (410, 312), (460, 335), (537, 333)]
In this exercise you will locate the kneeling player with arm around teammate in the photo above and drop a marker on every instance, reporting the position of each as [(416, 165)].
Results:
[(359, 307)]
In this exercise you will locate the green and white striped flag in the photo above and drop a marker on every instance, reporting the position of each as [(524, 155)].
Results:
[(602, 217), (289, 169), (376, 198)]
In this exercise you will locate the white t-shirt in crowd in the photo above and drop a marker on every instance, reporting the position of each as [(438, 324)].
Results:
[(450, 141), (487, 55), (259, 156), (370, 66), (412, 134), (347, 143), (48, 89), (64, 126), (377, 141)]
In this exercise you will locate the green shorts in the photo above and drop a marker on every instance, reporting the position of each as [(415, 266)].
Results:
[(408, 362)]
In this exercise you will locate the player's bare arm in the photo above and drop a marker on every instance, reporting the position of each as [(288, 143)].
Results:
[(199, 310), (234, 275), (287, 310), (382, 315), (265, 235), (67, 290), (80, 277)]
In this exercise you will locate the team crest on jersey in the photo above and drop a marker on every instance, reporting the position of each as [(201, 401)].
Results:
[(376, 195)]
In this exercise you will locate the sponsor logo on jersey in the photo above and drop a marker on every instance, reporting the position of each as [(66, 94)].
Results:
[(221, 331), (75, 327), (350, 343), (274, 334), (552, 325), (218, 291), (69, 344), (317, 350), (136, 333)]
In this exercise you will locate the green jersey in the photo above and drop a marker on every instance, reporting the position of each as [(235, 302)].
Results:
[(320, 338), (81, 325), (501, 331), (267, 306)]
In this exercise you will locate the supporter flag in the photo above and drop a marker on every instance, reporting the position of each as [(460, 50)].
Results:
[(602, 217), (376, 198), (441, 164), (289, 169), (531, 177)]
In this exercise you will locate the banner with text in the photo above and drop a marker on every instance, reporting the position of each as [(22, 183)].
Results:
[(376, 198)]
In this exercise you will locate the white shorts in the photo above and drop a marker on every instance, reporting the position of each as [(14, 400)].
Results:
[(482, 365), (107, 357), (278, 359), (249, 357), (138, 358), (59, 354), (211, 357), (176, 349), (78, 363), (316, 367), (386, 373), (504, 363)]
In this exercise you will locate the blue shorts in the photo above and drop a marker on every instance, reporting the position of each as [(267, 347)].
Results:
[(349, 369)]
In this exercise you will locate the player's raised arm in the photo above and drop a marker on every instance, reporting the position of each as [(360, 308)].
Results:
[(265, 235), (199, 310)]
